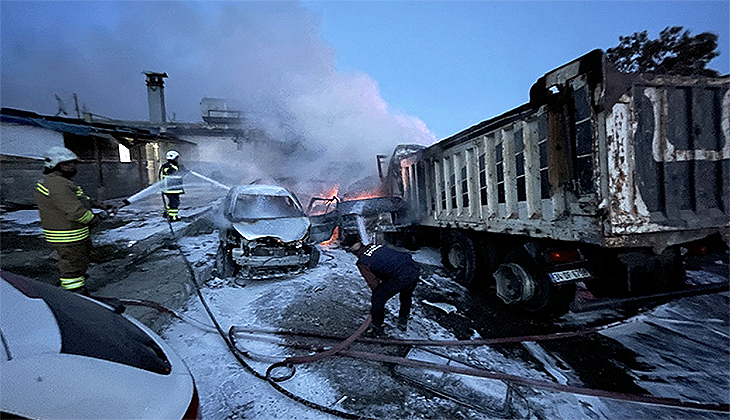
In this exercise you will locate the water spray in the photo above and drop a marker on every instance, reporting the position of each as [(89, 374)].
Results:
[(205, 178), (364, 238), (142, 194), (156, 187)]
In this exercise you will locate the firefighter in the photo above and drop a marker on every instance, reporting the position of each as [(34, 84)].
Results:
[(387, 272), (66, 217), (172, 186)]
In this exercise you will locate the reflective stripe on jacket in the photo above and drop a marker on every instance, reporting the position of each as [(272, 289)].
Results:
[(72, 283), (64, 209), (171, 182), (382, 261), (65, 236)]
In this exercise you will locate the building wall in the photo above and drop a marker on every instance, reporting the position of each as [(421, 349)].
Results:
[(101, 174), (18, 178)]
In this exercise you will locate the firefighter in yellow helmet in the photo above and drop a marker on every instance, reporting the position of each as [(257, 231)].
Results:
[(172, 185), (66, 217)]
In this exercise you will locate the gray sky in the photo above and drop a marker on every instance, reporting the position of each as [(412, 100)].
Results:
[(333, 73)]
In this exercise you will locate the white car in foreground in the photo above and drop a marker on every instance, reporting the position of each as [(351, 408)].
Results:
[(66, 356)]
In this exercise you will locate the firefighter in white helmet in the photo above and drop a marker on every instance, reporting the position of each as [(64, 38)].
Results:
[(172, 186), (66, 216)]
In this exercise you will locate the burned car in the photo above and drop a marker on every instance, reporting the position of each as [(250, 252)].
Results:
[(267, 234), (357, 219)]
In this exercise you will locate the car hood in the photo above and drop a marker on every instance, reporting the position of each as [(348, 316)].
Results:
[(285, 229)]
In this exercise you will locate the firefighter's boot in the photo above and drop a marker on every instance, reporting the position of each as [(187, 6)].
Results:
[(402, 323), (374, 331)]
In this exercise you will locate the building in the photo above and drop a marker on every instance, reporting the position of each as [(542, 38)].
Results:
[(119, 158)]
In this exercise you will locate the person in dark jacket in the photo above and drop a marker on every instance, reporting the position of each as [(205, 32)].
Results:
[(387, 272)]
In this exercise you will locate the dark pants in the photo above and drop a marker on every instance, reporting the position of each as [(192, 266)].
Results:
[(173, 202), (404, 282), (73, 260)]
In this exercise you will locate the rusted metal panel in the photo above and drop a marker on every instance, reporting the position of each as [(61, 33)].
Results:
[(596, 156), (669, 158)]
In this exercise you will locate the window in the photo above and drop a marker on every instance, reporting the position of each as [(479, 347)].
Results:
[(254, 206), (542, 144), (442, 183), (583, 140), (500, 173), (124, 155), (452, 188)]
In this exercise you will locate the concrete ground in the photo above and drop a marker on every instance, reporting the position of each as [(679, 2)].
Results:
[(136, 256)]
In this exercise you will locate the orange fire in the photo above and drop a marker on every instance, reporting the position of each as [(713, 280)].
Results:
[(333, 241), (362, 195), (332, 192)]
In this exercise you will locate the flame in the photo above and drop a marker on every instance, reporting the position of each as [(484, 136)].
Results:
[(334, 240), (362, 195), (332, 192)]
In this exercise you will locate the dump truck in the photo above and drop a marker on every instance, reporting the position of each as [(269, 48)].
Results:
[(604, 178)]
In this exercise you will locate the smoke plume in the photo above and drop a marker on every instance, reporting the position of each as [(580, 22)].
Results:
[(268, 57)]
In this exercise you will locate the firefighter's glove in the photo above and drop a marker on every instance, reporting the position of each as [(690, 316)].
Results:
[(98, 217), (109, 208), (95, 220)]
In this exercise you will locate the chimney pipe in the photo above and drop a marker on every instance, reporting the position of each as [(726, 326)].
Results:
[(156, 96)]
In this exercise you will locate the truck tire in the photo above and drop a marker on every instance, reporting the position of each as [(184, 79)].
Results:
[(547, 298), (224, 264), (313, 257), (459, 257)]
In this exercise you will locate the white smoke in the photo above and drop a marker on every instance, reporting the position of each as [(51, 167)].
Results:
[(266, 56)]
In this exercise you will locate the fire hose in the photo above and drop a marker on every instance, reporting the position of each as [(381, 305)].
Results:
[(507, 378), (239, 355), (320, 353), (340, 349)]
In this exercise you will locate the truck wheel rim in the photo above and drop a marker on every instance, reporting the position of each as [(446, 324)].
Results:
[(456, 257)]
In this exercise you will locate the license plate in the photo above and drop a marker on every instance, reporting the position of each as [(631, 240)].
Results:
[(568, 275)]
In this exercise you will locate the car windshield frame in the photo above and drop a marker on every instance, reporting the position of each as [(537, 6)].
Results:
[(251, 207)]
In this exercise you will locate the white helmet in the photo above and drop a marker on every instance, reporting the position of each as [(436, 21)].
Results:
[(56, 155), (172, 155)]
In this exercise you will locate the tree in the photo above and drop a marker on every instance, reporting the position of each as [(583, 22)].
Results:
[(674, 52)]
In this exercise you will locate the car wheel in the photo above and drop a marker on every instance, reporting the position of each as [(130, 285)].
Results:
[(224, 262)]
